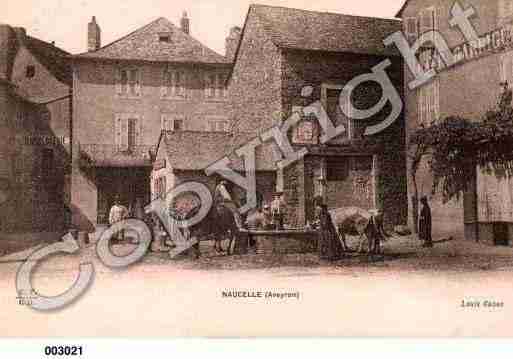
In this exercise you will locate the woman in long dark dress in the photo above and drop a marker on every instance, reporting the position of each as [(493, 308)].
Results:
[(329, 246), (425, 223)]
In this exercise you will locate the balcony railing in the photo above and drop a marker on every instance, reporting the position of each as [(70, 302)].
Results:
[(99, 155)]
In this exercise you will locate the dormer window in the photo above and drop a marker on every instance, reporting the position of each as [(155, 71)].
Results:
[(165, 37)]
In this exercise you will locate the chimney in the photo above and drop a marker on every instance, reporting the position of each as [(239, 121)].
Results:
[(185, 23), (93, 35), (232, 41), (8, 48)]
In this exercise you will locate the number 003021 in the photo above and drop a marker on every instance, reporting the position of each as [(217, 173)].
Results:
[(64, 350)]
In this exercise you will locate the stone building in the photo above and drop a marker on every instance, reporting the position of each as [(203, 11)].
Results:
[(35, 155), (283, 50), (183, 157), (468, 89), (157, 78)]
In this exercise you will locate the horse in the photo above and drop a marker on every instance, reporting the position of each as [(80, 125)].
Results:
[(368, 225), (220, 223)]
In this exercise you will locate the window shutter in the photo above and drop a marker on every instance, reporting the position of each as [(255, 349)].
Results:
[(124, 134), (205, 84), (347, 112), (138, 85), (163, 123), (507, 67), (164, 87), (436, 84), (208, 86), (172, 77), (183, 84), (420, 102), (217, 88), (139, 128), (117, 132), (119, 89)]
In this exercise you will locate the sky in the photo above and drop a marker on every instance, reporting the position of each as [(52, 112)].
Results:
[(65, 21)]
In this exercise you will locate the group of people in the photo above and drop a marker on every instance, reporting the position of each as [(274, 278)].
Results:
[(269, 216), (272, 217)]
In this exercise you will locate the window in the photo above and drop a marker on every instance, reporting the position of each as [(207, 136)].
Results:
[(132, 132), (128, 82), (215, 86), (411, 29), (428, 21), (172, 123), (428, 103), (21, 117), (218, 125), (165, 37), (47, 163), (173, 84), (30, 71), (160, 187), (337, 168), (128, 132), (330, 97)]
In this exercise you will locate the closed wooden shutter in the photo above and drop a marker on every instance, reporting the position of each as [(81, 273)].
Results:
[(163, 123), (139, 132), (119, 87), (117, 131), (138, 84), (124, 134), (165, 84), (436, 102), (179, 81), (507, 67)]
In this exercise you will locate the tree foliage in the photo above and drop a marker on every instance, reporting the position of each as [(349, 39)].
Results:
[(456, 145)]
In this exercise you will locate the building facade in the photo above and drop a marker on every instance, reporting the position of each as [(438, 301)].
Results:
[(468, 90), (285, 50), (35, 157), (157, 78)]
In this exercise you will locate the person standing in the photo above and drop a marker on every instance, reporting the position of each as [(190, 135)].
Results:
[(118, 213), (425, 223), (329, 246), (278, 210), (506, 97)]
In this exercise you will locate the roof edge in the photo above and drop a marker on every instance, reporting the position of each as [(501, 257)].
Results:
[(400, 12), (120, 39), (324, 12)]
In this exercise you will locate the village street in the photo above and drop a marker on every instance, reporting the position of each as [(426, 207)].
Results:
[(414, 292)]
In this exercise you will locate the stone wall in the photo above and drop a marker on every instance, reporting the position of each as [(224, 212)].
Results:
[(311, 68), (255, 85)]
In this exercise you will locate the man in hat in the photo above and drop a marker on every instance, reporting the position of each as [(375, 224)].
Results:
[(425, 223), (278, 210), (118, 213), (506, 96)]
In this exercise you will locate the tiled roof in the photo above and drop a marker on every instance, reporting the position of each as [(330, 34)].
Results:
[(400, 12), (54, 59), (322, 31), (191, 150), (144, 45)]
